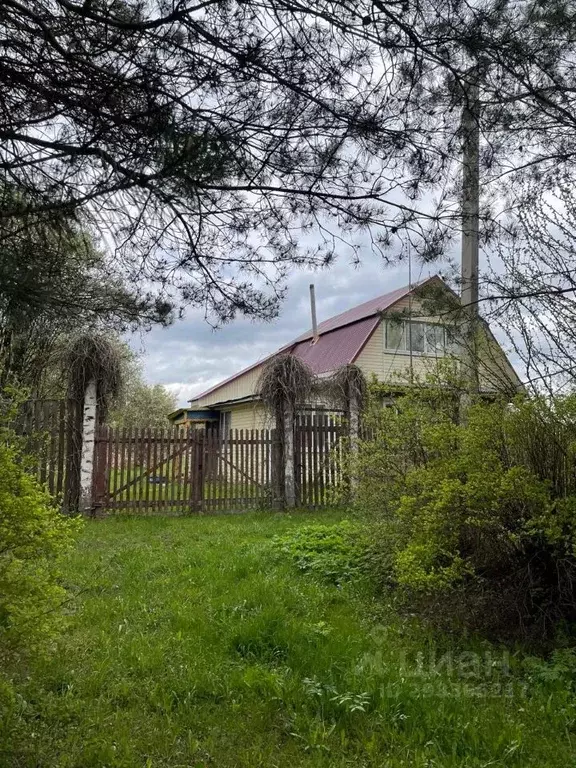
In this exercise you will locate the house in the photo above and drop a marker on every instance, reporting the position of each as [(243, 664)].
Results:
[(388, 337)]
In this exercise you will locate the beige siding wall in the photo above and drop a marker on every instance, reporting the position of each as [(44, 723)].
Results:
[(394, 367), (243, 386), (495, 370), (390, 367), (249, 416)]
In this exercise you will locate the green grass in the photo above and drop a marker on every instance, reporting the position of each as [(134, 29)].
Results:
[(197, 642)]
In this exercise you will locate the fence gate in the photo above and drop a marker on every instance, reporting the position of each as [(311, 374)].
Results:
[(181, 472)]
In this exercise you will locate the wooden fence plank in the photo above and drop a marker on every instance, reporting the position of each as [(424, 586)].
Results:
[(233, 463), (225, 457), (130, 460), (201, 468), (99, 489), (192, 472), (297, 461), (234, 477), (237, 475), (311, 475), (197, 473), (182, 445), (153, 477), (261, 460), (106, 482), (332, 459), (257, 484), (207, 462), (185, 438), (252, 469), (303, 468), (145, 458), (220, 443), (314, 457), (242, 488), (176, 461), (124, 448), (114, 485), (174, 466), (215, 479), (267, 462), (328, 479), (243, 467)]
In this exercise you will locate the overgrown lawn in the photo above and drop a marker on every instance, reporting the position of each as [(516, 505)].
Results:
[(197, 642)]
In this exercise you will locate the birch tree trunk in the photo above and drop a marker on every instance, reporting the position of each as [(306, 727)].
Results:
[(289, 479), (87, 454)]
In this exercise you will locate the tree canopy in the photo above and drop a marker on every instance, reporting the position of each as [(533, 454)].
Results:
[(54, 283), (206, 140), (209, 138)]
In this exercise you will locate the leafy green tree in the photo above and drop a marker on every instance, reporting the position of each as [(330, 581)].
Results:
[(208, 139), (140, 404)]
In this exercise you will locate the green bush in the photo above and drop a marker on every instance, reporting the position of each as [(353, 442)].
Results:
[(33, 537), (333, 552), (475, 521)]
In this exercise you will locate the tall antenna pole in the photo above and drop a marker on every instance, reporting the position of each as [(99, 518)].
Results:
[(470, 234)]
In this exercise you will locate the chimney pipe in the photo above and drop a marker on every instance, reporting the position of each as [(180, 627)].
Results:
[(313, 311)]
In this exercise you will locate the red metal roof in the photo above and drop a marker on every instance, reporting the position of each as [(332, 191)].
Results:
[(341, 338), (335, 348), (367, 309)]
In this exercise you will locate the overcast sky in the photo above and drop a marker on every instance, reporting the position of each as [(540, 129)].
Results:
[(189, 356)]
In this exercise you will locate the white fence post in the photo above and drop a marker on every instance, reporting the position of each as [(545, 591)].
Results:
[(88, 440)]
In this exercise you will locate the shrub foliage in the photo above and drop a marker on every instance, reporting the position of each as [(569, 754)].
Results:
[(33, 537), (475, 522)]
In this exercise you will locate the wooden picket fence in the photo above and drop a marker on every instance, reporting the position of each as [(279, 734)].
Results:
[(185, 472), (52, 443), (177, 471), (318, 459), (172, 471)]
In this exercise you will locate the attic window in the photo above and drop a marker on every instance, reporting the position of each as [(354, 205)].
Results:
[(418, 337)]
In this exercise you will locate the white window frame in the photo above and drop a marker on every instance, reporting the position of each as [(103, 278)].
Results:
[(404, 349), (225, 423)]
